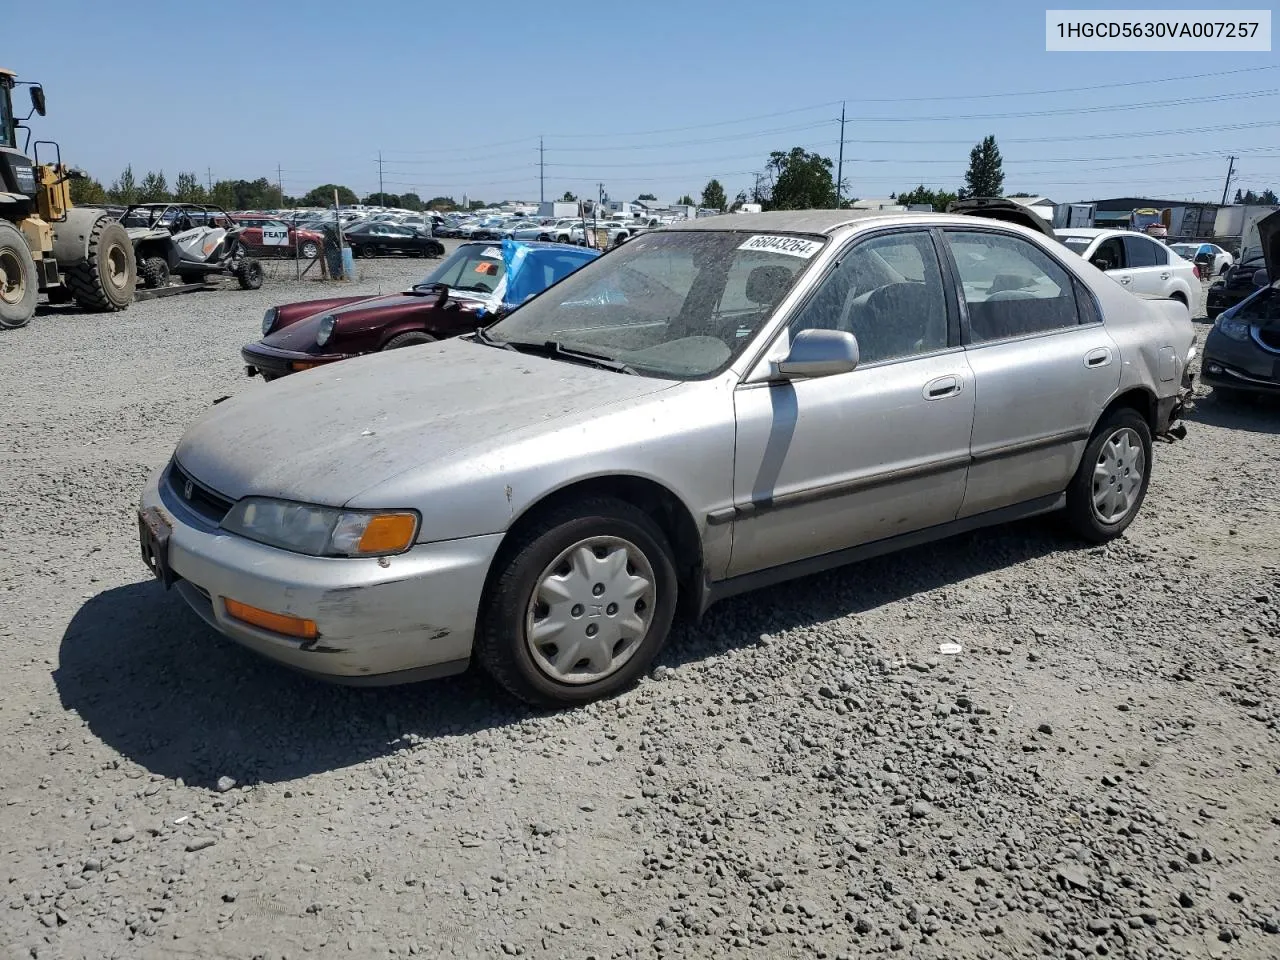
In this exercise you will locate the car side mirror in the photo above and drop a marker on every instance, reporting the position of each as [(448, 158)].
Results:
[(819, 353), (1260, 278), (37, 98), (1102, 263)]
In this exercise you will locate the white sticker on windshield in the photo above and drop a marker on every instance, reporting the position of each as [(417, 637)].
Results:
[(491, 252), (791, 246)]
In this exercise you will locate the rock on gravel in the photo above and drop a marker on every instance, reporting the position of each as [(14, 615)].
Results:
[(818, 783)]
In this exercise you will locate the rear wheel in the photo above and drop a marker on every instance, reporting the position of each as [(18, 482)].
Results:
[(18, 284), (154, 272), (581, 603), (408, 340), (104, 279), (310, 250), (249, 274), (1111, 481)]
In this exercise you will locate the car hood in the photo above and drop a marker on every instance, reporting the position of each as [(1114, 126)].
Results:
[(325, 435), (1269, 236), (301, 334)]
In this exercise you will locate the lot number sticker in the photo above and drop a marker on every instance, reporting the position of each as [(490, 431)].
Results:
[(275, 235), (791, 246)]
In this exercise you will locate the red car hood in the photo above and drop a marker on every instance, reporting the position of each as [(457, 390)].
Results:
[(301, 335)]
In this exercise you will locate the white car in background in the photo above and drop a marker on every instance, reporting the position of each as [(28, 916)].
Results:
[(1215, 258), (1137, 262)]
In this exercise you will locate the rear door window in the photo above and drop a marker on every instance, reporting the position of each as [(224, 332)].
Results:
[(1010, 287), (1141, 252)]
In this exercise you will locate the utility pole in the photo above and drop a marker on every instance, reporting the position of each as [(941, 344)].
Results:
[(209, 174), (840, 162), (381, 194), (595, 225), (542, 174), (1231, 166), (279, 183)]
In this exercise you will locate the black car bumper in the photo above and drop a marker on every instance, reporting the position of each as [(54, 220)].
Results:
[(272, 362), (1239, 364)]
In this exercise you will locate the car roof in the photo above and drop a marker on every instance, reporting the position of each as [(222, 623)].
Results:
[(791, 221), (1088, 231)]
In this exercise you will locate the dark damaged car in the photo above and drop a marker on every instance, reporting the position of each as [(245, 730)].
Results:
[(1242, 351), (476, 285)]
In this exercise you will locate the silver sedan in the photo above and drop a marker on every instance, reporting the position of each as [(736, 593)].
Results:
[(713, 406)]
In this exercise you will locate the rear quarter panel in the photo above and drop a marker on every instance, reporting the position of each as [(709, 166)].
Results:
[(1154, 337)]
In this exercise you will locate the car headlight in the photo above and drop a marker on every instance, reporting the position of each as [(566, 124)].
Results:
[(327, 324), (1231, 327), (322, 531), (269, 320)]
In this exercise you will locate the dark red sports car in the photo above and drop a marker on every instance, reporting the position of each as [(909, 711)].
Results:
[(473, 287)]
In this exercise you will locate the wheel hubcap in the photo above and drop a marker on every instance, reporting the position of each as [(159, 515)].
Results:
[(590, 610), (1117, 476), (12, 289)]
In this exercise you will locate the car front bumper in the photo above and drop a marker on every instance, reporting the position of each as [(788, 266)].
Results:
[(1242, 365), (379, 621), (274, 362)]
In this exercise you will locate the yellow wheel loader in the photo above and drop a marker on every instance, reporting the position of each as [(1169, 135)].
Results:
[(46, 245)]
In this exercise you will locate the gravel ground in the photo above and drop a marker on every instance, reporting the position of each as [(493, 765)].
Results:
[(804, 775)]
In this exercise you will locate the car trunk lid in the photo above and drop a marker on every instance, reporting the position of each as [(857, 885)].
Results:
[(1002, 208)]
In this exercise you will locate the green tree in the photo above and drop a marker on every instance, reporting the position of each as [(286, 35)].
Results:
[(802, 180), (87, 191), (476, 205), (442, 203), (1020, 194), (922, 194), (687, 200), (1267, 196), (223, 194), (713, 197), (410, 201), (568, 197), (154, 188), (646, 196), (188, 189), (322, 196), (985, 176), (383, 199), (125, 187)]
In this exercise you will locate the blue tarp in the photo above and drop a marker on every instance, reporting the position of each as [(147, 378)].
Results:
[(531, 269)]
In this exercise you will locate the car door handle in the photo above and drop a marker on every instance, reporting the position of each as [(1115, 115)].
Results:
[(1165, 276), (1125, 279), (1098, 358), (941, 387)]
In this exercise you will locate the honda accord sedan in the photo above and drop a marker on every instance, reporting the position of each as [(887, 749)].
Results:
[(711, 407)]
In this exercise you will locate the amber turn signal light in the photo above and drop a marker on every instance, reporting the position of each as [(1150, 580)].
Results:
[(275, 622), (388, 533)]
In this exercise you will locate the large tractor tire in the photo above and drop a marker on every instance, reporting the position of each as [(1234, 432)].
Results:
[(96, 258), (18, 284)]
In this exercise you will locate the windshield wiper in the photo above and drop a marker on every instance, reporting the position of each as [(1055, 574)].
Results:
[(488, 341), (553, 348)]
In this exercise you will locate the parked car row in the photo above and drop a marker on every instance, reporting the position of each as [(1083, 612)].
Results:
[(541, 495)]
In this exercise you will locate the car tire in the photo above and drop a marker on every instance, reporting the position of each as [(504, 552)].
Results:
[(437, 250), (1104, 495), (154, 272), (19, 286), (593, 527), (408, 340), (1212, 313), (310, 250)]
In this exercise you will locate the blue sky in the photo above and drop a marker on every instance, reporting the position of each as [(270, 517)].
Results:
[(653, 97)]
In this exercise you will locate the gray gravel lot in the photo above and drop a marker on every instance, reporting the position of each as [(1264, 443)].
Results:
[(805, 775)]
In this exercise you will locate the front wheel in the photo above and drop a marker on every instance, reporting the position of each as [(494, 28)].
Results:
[(249, 274), (1111, 481), (154, 272), (408, 340), (310, 250), (581, 603), (18, 283)]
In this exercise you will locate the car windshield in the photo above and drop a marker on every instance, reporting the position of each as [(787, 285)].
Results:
[(1184, 250), (1077, 244), (681, 304), (474, 268)]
